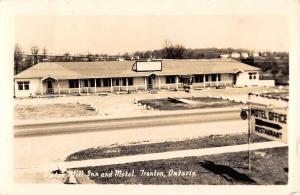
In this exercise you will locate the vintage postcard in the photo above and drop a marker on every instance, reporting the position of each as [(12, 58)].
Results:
[(195, 100)]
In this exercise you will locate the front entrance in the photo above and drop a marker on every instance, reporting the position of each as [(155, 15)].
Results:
[(149, 83), (49, 87), (234, 79)]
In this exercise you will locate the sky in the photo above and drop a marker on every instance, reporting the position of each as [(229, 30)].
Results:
[(117, 34)]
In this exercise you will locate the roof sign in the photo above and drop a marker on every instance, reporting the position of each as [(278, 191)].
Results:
[(145, 66)]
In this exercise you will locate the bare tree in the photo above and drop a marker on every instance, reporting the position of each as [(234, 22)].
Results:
[(34, 52), (18, 57), (171, 51), (44, 52), (167, 43)]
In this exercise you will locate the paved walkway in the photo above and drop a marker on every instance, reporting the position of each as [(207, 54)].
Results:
[(162, 155)]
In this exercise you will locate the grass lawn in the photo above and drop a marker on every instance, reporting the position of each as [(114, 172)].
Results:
[(269, 167), (44, 111), (197, 102), (146, 148)]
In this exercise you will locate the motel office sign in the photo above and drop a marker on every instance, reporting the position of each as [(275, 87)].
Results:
[(269, 123)]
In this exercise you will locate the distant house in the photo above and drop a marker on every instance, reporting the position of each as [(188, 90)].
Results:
[(244, 55), (235, 55), (255, 54), (115, 76), (225, 55)]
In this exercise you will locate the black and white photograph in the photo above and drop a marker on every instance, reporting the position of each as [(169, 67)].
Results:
[(152, 99)]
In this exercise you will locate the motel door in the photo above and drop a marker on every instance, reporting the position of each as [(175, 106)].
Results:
[(149, 82), (234, 79), (49, 87)]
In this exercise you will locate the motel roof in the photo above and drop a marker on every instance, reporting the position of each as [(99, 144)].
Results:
[(111, 69)]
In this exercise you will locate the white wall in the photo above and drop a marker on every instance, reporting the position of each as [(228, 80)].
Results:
[(242, 79), (226, 77), (34, 88), (139, 81)]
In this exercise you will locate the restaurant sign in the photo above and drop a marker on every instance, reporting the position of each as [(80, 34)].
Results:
[(269, 123)]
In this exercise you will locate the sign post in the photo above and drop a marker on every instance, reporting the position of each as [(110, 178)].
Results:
[(249, 134), (269, 122)]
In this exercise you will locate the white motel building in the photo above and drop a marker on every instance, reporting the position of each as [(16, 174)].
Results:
[(59, 78)]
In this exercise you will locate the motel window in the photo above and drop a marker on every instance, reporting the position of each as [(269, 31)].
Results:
[(252, 75), (181, 79), (130, 81), (92, 82), (215, 77), (86, 83), (26, 85), (73, 84), (106, 82), (206, 77), (20, 85), (23, 85), (117, 82), (170, 79), (124, 81), (198, 78), (98, 82)]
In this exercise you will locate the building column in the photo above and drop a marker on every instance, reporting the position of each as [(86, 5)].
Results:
[(111, 86), (217, 80), (127, 84), (159, 82), (145, 83), (79, 87), (204, 81), (177, 82), (120, 84), (42, 90), (95, 85)]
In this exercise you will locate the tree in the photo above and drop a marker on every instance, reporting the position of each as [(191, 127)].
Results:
[(34, 52), (18, 57), (90, 57), (66, 57), (172, 51), (44, 52)]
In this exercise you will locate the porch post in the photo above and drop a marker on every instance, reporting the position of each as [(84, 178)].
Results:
[(217, 80), (204, 80), (127, 84), (111, 87), (119, 84), (79, 86), (177, 82), (95, 85), (42, 92), (145, 83), (159, 82)]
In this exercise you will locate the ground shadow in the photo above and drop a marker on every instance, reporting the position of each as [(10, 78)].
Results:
[(227, 172)]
